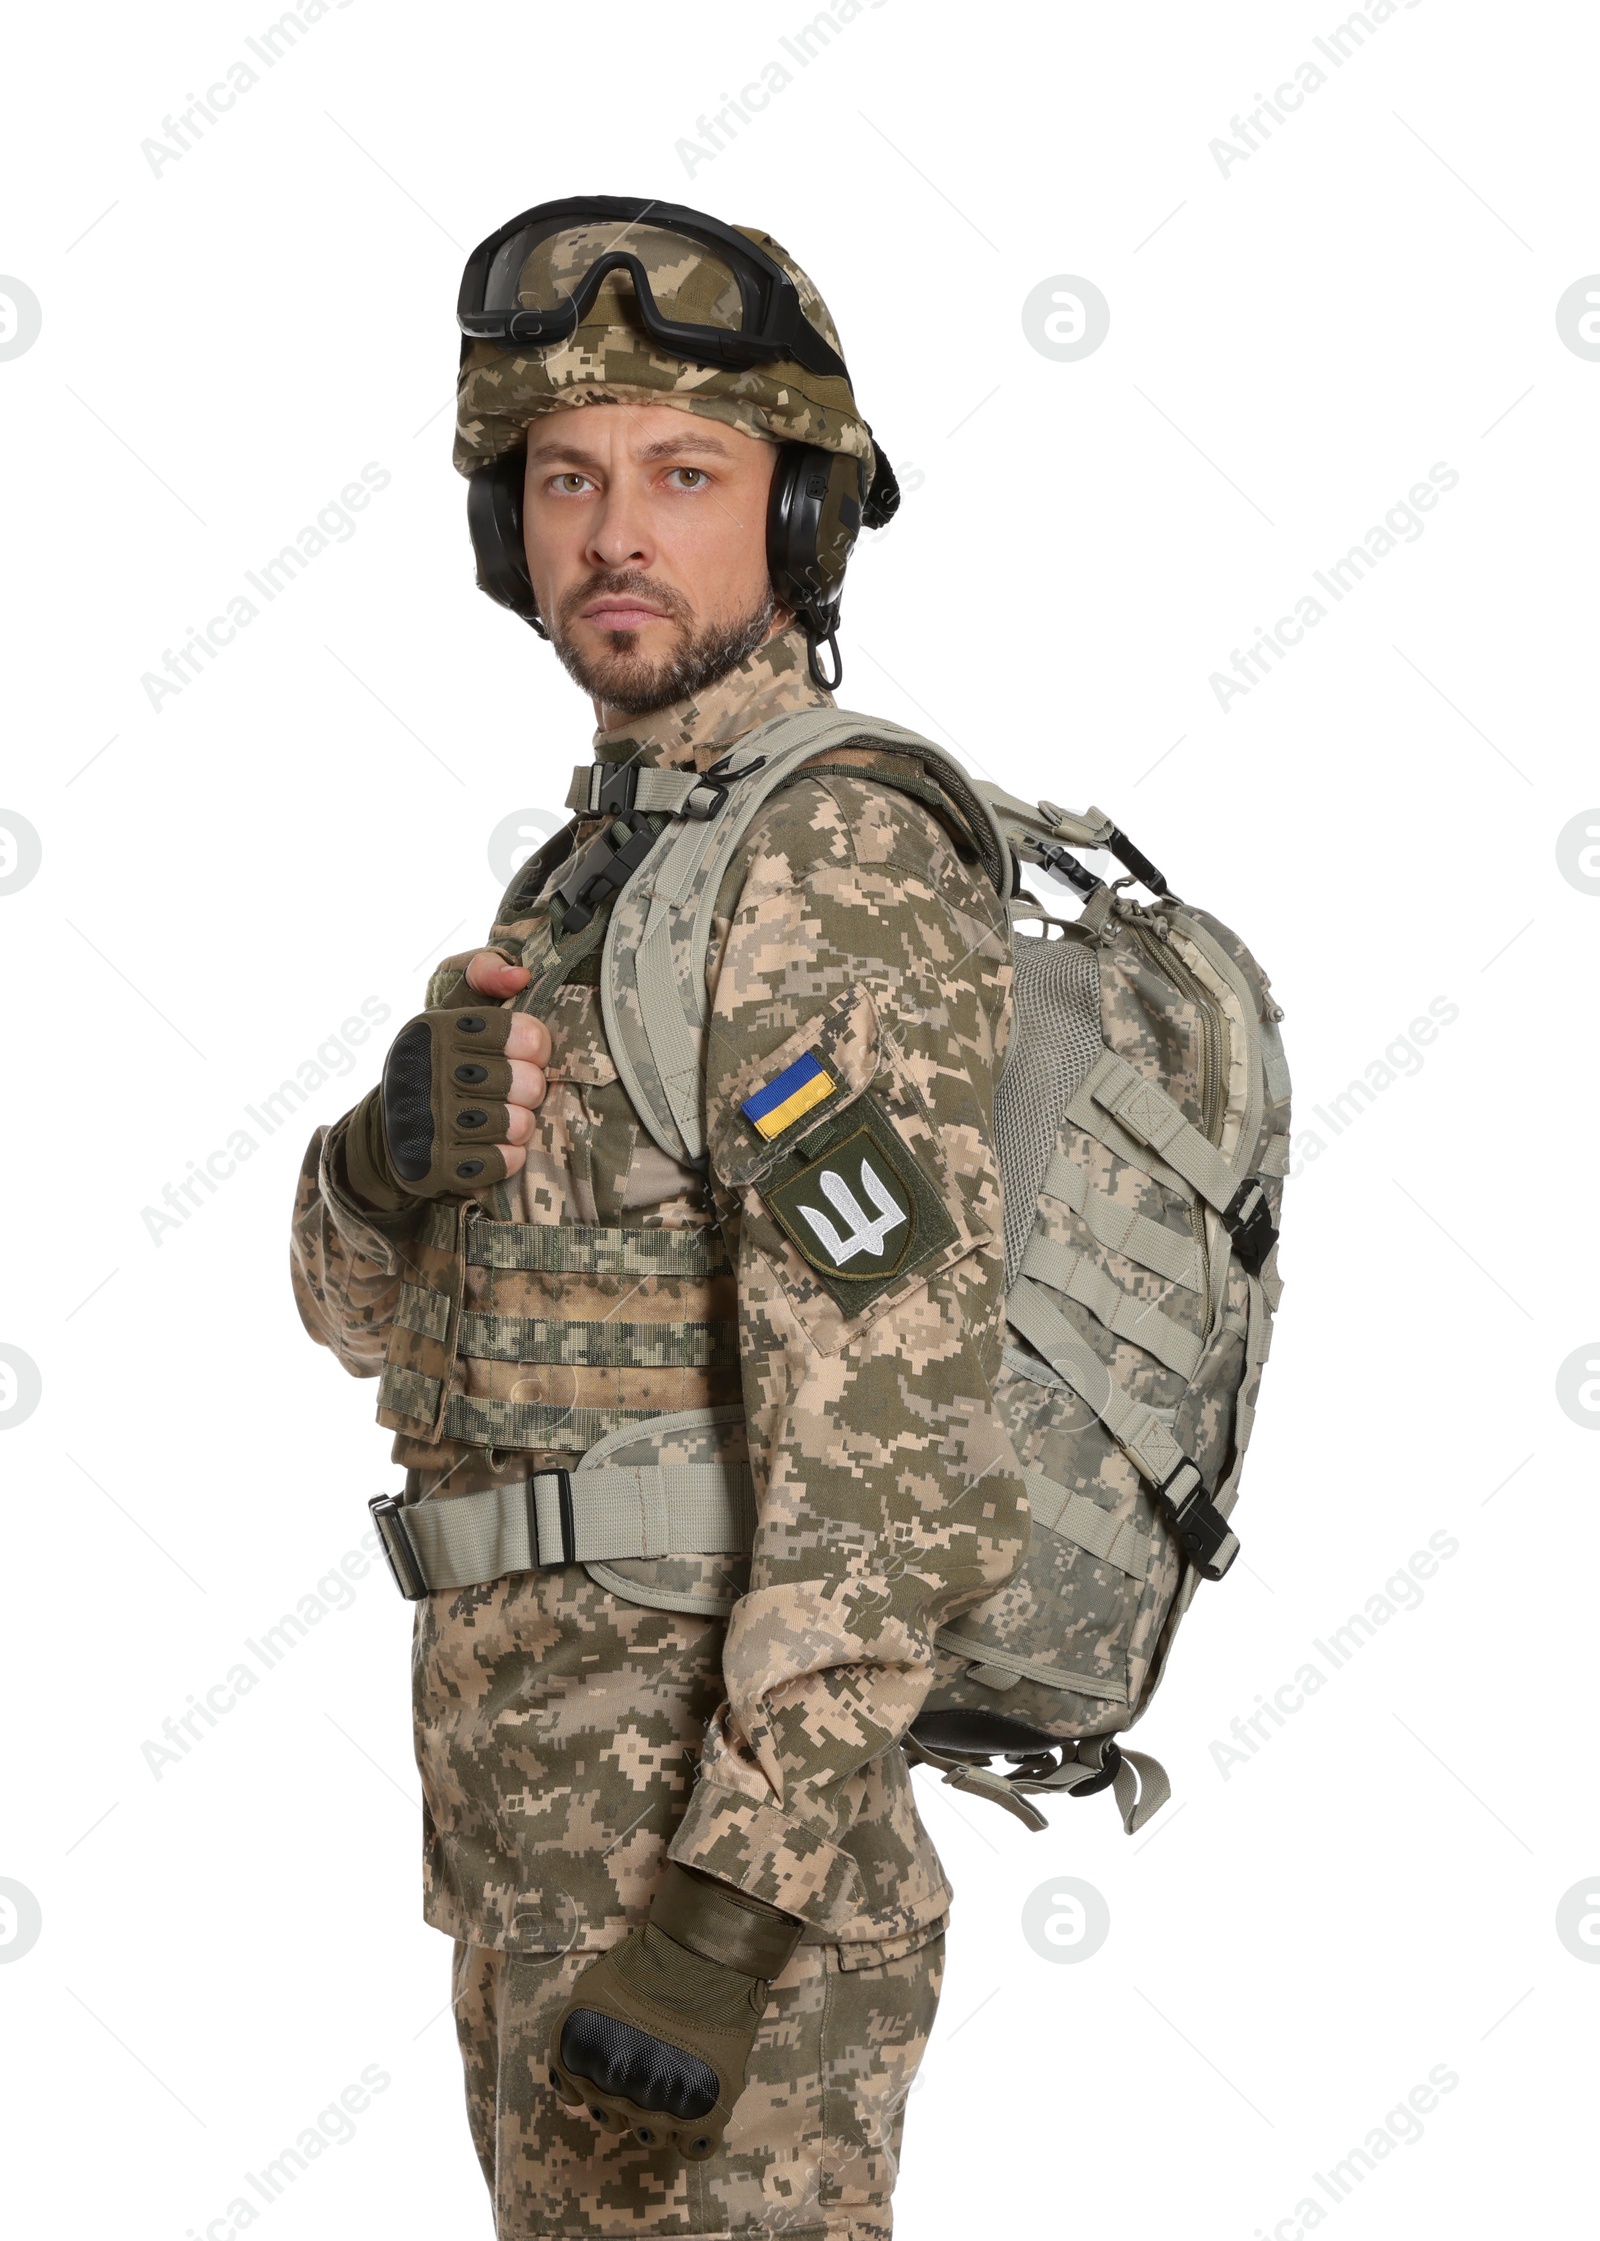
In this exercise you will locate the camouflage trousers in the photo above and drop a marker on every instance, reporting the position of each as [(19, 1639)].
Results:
[(814, 2144)]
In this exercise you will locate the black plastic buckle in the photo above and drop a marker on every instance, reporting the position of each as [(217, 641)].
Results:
[(1066, 866), (569, 1529), (1249, 1221), (1203, 1532), (603, 870), (619, 785), (1135, 860), (388, 1515)]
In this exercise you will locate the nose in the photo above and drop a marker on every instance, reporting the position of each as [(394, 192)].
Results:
[(619, 534)]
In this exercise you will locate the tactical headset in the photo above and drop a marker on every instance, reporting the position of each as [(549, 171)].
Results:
[(819, 499)]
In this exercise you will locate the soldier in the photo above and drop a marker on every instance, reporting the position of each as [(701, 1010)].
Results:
[(696, 1464)]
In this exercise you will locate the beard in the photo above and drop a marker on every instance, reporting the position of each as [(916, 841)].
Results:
[(631, 683)]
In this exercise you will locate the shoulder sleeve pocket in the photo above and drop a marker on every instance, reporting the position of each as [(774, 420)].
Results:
[(850, 1197)]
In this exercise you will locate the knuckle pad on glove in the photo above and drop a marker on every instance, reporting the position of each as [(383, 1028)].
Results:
[(473, 1122), (629, 2063), (408, 1100), (445, 1115)]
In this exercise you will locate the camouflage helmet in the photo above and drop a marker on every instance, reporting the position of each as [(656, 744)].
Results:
[(610, 359)]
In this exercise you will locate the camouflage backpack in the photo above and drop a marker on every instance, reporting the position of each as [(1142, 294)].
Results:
[(1142, 1125)]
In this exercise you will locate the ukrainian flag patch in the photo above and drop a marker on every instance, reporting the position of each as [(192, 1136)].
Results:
[(798, 1090)]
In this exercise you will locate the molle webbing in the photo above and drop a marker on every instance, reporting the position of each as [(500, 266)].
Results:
[(497, 1422), (1078, 1278), (564, 1248), (548, 1335), (1121, 1230), (599, 1345), (1080, 1519)]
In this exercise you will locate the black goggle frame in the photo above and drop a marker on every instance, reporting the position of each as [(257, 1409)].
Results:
[(773, 324)]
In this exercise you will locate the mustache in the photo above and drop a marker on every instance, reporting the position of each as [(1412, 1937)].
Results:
[(624, 583)]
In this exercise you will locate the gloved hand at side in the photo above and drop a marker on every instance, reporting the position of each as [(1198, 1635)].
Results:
[(657, 2032), (453, 1110)]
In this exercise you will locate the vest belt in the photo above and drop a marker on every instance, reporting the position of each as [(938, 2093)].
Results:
[(552, 1518)]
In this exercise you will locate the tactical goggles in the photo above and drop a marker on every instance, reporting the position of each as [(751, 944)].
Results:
[(497, 305)]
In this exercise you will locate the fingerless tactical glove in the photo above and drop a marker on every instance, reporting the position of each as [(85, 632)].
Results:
[(435, 1126), (657, 2032)]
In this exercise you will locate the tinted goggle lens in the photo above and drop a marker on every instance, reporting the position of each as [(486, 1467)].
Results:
[(544, 269)]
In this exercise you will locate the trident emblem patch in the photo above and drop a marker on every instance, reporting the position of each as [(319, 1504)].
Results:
[(860, 1212), (866, 1233)]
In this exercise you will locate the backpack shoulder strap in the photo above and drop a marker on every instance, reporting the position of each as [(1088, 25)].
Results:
[(653, 977)]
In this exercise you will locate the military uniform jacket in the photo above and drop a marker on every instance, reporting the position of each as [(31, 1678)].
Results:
[(577, 1725)]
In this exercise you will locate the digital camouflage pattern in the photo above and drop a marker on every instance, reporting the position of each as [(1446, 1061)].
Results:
[(1075, 1643), (814, 2143), (609, 360), (572, 1725)]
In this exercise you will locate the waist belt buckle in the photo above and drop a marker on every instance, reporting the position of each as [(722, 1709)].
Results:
[(550, 1492), (388, 1515)]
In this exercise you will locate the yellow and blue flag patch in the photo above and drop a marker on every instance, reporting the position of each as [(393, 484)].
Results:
[(798, 1090)]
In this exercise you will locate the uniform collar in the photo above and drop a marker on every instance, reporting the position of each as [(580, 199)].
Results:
[(694, 733)]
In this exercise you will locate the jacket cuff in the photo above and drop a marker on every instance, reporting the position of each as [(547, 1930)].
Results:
[(768, 1855), (366, 1229)]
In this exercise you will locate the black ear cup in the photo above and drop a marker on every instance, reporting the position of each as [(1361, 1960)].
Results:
[(813, 517), (494, 518)]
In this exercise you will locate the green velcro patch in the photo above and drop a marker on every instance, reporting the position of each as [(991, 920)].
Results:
[(862, 1212)]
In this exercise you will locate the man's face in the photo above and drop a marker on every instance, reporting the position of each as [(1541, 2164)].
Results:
[(645, 530)]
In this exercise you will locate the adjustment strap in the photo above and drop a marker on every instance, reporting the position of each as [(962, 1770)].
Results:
[(1141, 1789), (1150, 1116), (976, 1780), (1138, 1782), (566, 1517), (1275, 1159), (612, 789)]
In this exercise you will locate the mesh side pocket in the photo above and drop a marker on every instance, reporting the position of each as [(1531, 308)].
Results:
[(1055, 1040)]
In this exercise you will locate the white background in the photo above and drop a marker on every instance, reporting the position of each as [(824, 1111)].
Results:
[(227, 340)]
